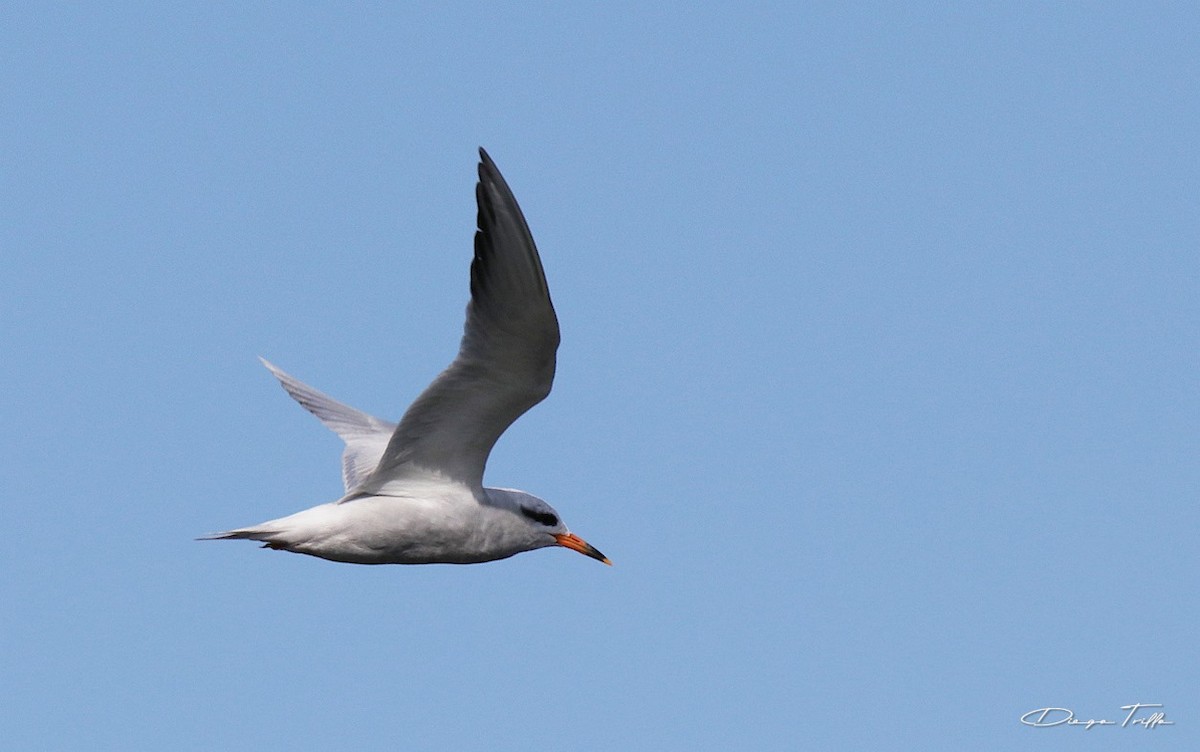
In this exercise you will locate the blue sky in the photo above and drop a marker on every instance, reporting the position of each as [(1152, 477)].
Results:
[(878, 379)]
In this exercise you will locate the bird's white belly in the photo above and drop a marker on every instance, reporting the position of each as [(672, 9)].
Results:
[(390, 530)]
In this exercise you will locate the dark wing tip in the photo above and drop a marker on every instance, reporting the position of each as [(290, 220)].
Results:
[(489, 172), (487, 168)]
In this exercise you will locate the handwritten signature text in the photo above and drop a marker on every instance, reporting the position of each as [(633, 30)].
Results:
[(1139, 714)]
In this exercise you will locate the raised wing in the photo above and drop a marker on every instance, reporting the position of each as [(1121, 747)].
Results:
[(365, 435), (505, 363)]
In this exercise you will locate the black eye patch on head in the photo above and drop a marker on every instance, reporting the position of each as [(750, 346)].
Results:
[(544, 518)]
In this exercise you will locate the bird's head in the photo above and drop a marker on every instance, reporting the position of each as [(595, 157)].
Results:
[(546, 527)]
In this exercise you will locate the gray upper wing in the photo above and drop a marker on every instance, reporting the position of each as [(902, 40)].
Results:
[(506, 360)]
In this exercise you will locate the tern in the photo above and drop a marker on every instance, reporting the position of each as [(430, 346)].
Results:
[(414, 491)]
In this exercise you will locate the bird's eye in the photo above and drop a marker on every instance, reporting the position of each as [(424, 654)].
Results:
[(544, 518)]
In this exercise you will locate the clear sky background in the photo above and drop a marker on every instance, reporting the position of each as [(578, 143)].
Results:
[(879, 377)]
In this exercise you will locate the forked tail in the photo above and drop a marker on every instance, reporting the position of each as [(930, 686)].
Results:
[(269, 538)]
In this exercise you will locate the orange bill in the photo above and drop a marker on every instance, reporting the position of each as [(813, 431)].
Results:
[(575, 543)]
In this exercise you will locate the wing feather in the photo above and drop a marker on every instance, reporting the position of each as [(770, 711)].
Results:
[(365, 435), (506, 359)]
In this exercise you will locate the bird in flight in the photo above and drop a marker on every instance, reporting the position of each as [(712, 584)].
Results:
[(414, 491)]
